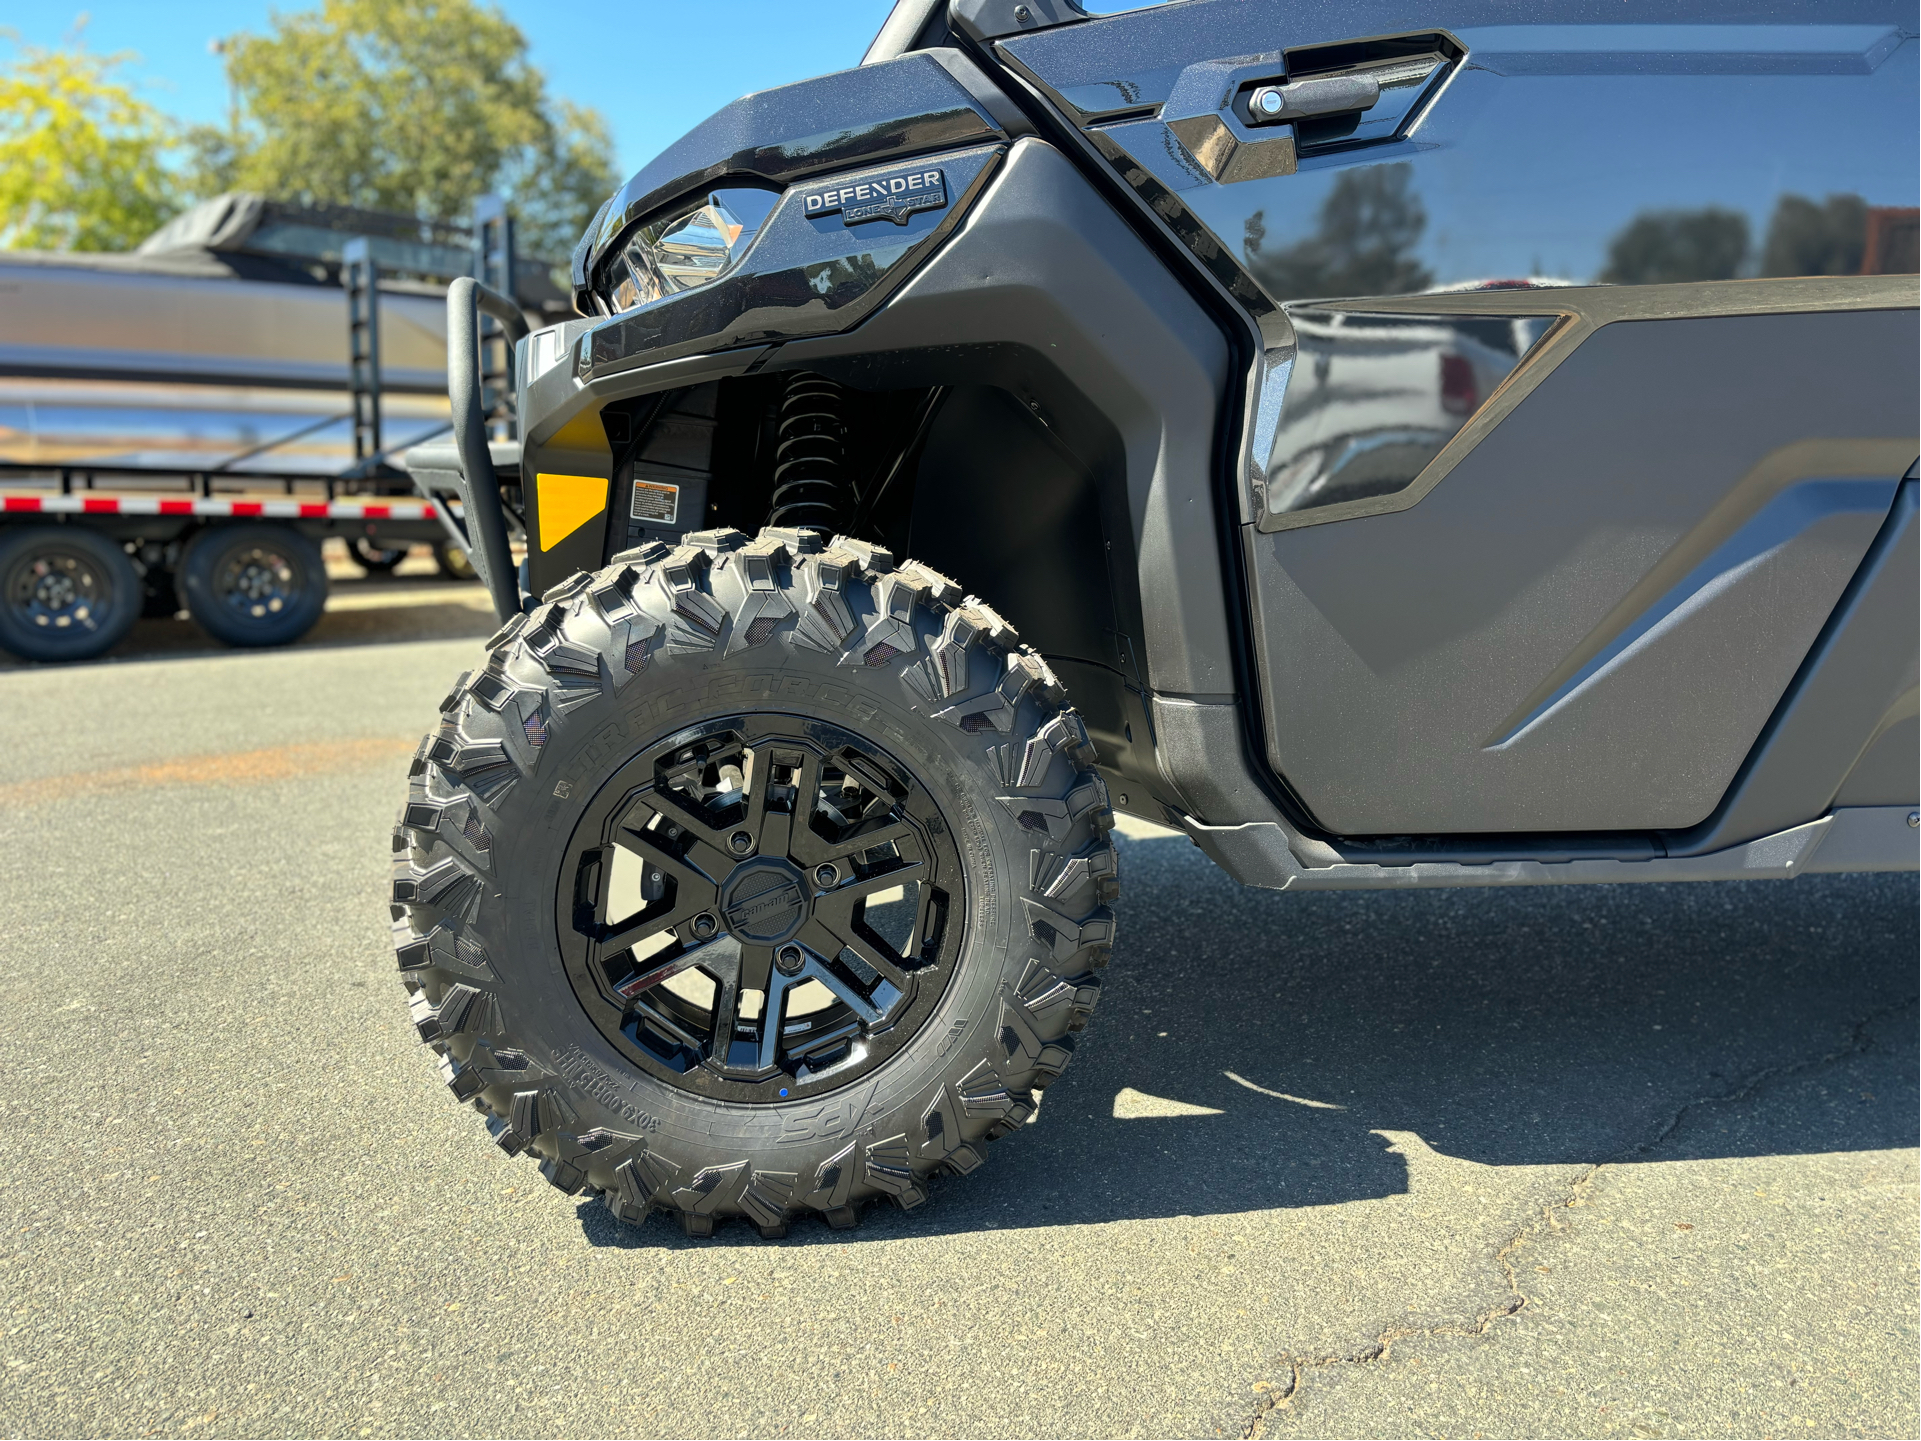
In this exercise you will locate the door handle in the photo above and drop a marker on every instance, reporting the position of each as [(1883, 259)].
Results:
[(1321, 95), (1251, 119)]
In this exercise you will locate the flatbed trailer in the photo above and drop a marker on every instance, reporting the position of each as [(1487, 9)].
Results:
[(78, 564), (178, 430)]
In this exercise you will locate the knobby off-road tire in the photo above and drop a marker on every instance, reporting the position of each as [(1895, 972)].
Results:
[(665, 709)]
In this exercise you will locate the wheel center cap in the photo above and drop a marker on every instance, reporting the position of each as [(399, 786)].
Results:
[(764, 901)]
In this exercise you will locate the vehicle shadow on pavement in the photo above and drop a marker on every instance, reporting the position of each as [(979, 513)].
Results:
[(1251, 1046)]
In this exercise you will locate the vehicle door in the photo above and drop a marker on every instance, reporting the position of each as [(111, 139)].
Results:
[(1588, 376)]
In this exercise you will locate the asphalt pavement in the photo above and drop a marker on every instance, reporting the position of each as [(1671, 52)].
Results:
[(1600, 1161)]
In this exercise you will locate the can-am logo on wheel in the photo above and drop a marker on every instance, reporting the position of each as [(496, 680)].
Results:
[(892, 197)]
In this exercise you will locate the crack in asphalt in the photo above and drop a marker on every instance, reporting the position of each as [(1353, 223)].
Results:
[(1280, 1395)]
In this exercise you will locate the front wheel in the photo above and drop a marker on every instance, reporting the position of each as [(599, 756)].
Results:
[(754, 878), (66, 592), (253, 584)]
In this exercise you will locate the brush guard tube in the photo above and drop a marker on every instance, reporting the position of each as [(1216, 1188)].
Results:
[(479, 493)]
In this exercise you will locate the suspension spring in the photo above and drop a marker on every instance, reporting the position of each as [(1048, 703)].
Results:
[(810, 481)]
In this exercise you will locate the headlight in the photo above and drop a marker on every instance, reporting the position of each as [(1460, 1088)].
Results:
[(692, 248)]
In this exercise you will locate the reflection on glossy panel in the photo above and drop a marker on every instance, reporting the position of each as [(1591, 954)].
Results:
[(1626, 153), (692, 248), (1371, 399), (195, 427)]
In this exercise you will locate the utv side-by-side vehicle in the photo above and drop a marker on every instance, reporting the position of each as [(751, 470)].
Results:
[(1394, 444)]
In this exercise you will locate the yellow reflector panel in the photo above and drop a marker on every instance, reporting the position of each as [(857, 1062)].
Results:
[(567, 502)]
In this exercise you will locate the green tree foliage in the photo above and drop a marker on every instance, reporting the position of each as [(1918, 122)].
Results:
[(1670, 246), (1363, 242), (409, 106), (80, 154), (1809, 239)]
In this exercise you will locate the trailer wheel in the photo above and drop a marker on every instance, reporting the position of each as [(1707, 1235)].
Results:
[(454, 562), (66, 593), (253, 584)]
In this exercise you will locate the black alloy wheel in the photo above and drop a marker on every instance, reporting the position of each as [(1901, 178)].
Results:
[(762, 909), (253, 584), (66, 592)]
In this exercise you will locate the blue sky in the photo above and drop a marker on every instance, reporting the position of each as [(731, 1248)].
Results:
[(654, 68), (1519, 177)]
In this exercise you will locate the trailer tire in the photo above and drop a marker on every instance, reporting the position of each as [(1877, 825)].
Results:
[(253, 584), (454, 562), (778, 727), (66, 592)]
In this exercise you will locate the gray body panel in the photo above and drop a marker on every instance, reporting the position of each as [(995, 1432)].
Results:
[(1272, 856), (1845, 733), (1585, 610), (1406, 649)]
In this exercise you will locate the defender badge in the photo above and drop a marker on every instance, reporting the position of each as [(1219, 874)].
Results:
[(894, 197)]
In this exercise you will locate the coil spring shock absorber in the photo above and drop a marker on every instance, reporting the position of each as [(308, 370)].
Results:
[(810, 483)]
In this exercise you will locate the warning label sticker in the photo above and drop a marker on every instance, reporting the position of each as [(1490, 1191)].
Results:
[(656, 502)]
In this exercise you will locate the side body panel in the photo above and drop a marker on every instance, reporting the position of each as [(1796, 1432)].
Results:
[(1575, 613), (1845, 735), (1587, 623)]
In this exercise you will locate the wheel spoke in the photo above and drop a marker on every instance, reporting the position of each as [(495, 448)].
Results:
[(814, 849), (828, 941), (834, 914), (758, 780), (693, 894), (701, 866), (756, 965), (645, 1009), (644, 927), (876, 833), (841, 899), (843, 992), (662, 968), (725, 1053), (675, 811), (802, 844), (770, 1017)]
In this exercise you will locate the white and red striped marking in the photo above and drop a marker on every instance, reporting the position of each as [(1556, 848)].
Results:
[(41, 503)]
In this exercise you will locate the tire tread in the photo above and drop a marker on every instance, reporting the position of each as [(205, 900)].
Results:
[(594, 634)]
